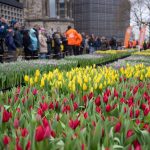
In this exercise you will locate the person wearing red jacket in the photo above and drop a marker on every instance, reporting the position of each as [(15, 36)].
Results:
[(72, 36)]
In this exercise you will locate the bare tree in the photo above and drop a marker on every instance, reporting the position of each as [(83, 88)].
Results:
[(147, 4), (139, 12)]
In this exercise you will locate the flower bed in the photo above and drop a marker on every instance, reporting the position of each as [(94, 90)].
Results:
[(12, 74), (132, 60), (142, 53), (84, 79), (112, 52), (115, 115), (89, 60)]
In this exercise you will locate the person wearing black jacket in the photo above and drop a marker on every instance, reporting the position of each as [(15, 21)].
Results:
[(91, 43), (3, 32), (18, 38), (57, 43), (26, 44)]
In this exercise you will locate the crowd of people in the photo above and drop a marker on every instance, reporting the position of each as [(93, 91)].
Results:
[(38, 42), (135, 43)]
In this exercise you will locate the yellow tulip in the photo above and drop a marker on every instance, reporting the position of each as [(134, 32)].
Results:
[(31, 81), (37, 73), (26, 78), (84, 87)]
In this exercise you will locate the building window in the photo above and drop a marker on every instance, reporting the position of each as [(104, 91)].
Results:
[(62, 9), (52, 6)]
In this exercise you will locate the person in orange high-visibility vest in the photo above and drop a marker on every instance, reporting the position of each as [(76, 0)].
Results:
[(78, 44), (71, 35), (134, 43)]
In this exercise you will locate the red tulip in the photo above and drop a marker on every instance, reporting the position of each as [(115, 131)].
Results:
[(85, 115), (105, 99), (84, 98), (137, 113), (18, 147), (44, 106), (116, 93), (146, 96), (137, 121), (108, 108), (24, 132), (16, 123), (91, 95), (43, 97), (98, 110), (124, 94), (125, 109), (40, 112), (45, 122), (137, 145), (53, 134), (146, 111), (35, 92), (122, 100), (28, 146), (82, 147), (47, 132), (56, 105), (6, 140), (135, 90), (39, 133), (66, 109), (129, 133), (108, 92), (120, 79), (98, 101), (131, 113), (117, 127), (75, 106), (74, 123), (143, 106), (51, 106), (72, 96), (94, 123), (64, 100), (6, 116)]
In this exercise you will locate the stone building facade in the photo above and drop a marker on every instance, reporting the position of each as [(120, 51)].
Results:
[(11, 9), (102, 17), (56, 14)]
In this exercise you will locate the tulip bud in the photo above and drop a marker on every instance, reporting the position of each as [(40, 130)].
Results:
[(108, 108), (6, 140), (117, 127)]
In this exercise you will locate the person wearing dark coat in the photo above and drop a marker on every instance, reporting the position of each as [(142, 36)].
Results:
[(9, 41), (57, 44), (3, 32), (26, 44), (18, 38)]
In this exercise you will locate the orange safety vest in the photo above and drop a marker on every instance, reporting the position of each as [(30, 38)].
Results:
[(134, 43), (79, 40), (72, 36)]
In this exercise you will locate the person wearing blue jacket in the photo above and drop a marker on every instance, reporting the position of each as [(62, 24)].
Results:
[(34, 44)]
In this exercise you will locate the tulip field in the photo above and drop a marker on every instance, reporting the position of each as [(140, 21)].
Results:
[(72, 107)]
